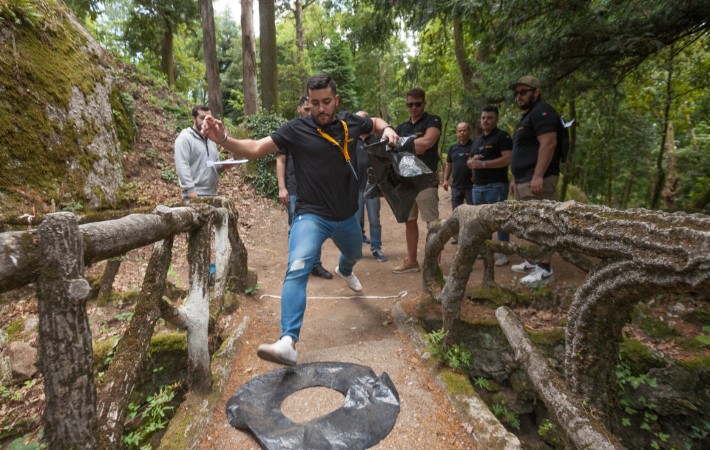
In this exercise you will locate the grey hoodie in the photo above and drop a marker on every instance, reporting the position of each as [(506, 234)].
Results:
[(192, 152)]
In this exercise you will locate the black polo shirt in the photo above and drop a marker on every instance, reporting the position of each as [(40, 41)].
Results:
[(460, 173), (325, 183), (491, 147), (540, 119), (426, 121)]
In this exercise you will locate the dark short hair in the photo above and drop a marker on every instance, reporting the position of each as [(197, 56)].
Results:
[(490, 108), (196, 110), (304, 99), (321, 81), (416, 92)]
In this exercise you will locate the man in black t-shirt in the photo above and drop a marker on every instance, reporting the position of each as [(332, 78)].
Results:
[(427, 128), (327, 187), (457, 168), (286, 177), (490, 159), (535, 162)]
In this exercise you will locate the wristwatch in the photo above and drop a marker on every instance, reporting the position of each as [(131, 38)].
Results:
[(484, 164)]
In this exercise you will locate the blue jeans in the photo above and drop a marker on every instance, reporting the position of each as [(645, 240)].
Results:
[(291, 213), (308, 232), (459, 196), (485, 194), (373, 216)]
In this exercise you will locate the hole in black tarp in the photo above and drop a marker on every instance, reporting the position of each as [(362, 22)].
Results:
[(366, 416), (311, 403)]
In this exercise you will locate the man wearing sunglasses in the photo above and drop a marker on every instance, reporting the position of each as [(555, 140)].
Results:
[(427, 128), (535, 161)]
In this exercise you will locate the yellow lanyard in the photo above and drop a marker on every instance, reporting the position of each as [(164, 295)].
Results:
[(343, 148)]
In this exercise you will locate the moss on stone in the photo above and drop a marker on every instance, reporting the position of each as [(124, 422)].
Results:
[(548, 337), (639, 357), (169, 342), (15, 329), (653, 327), (700, 362), (41, 68), (456, 383)]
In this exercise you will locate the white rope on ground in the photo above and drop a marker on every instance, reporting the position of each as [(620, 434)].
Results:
[(400, 295)]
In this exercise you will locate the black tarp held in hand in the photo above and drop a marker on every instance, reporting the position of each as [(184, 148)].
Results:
[(397, 175), (367, 416)]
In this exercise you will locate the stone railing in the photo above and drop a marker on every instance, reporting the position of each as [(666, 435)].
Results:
[(54, 256)]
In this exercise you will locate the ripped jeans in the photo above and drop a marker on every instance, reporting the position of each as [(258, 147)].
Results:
[(308, 232)]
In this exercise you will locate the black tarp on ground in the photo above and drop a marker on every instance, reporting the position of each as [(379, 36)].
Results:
[(397, 175), (367, 416)]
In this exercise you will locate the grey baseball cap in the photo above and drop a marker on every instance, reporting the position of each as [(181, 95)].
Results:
[(527, 80)]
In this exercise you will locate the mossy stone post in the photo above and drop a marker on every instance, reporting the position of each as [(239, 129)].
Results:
[(66, 355)]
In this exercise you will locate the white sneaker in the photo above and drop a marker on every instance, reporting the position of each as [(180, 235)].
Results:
[(538, 277), (280, 352), (353, 282), (523, 267), (502, 259)]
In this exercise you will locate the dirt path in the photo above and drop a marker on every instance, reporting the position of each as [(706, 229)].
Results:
[(338, 327)]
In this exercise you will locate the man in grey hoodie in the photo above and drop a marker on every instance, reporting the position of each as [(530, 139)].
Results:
[(192, 152)]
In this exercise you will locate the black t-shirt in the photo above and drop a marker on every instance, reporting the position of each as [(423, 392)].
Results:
[(426, 121), (290, 171), (363, 162), (491, 147), (540, 119), (325, 183), (460, 173)]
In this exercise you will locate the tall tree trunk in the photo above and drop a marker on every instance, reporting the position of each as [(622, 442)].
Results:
[(660, 173), (167, 62), (209, 40), (467, 73), (298, 14), (670, 191), (251, 96), (267, 50)]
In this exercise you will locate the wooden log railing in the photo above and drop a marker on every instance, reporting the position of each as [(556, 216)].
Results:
[(638, 252), (54, 257)]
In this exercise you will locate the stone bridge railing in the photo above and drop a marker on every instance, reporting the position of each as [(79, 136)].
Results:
[(629, 255), (53, 256)]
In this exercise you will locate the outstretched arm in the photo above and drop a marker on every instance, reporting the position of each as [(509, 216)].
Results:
[(214, 130)]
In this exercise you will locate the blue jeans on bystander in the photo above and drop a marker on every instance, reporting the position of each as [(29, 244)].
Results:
[(486, 194), (373, 216)]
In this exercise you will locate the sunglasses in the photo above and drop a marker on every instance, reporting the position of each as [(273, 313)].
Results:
[(414, 104), (522, 92)]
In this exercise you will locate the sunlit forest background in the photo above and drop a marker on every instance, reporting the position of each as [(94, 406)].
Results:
[(633, 74)]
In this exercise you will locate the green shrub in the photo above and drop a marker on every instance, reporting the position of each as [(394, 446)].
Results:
[(260, 126)]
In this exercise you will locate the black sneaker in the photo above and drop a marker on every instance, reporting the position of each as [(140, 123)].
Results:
[(365, 240), (319, 271), (379, 256)]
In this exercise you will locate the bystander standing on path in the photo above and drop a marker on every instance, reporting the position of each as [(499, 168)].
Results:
[(456, 167), (490, 160), (427, 129), (372, 205), (535, 161)]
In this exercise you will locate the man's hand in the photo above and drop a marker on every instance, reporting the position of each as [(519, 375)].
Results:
[(536, 185), (445, 185), (192, 194), (283, 196), (391, 136), (213, 129)]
